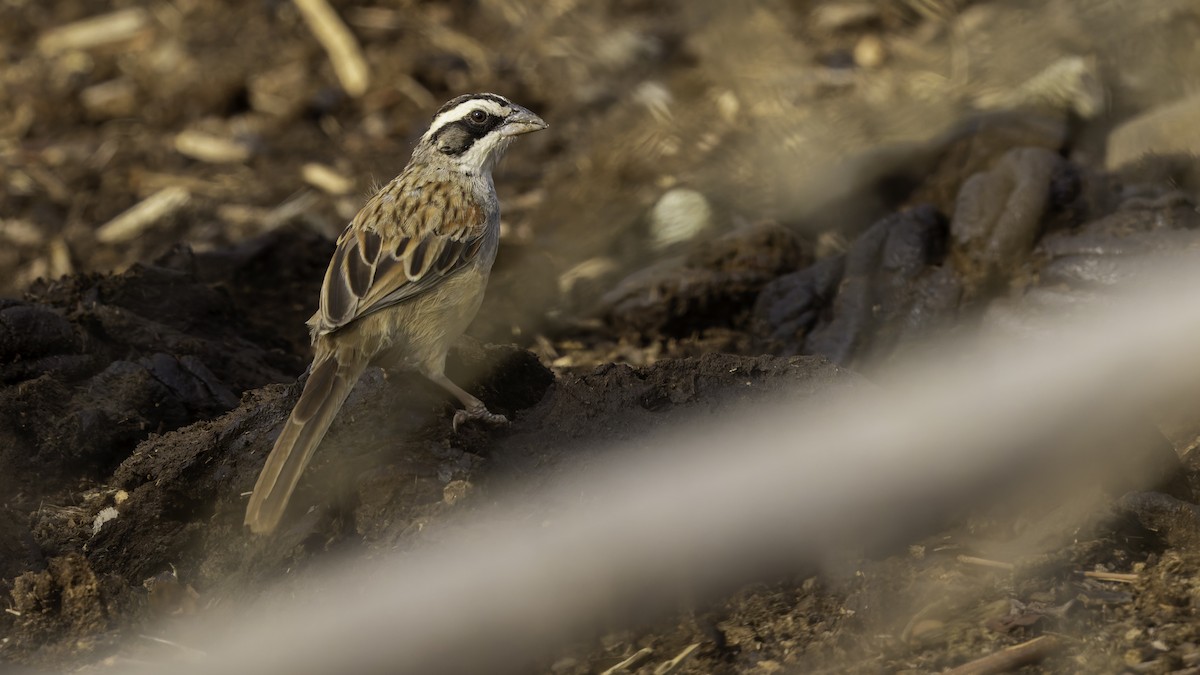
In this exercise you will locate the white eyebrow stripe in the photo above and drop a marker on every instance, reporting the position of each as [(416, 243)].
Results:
[(461, 110)]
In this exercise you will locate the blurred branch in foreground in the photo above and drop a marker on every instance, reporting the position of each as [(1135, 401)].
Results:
[(770, 486)]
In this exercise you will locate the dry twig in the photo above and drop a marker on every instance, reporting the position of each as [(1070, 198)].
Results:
[(630, 664), (1011, 658), (140, 216), (343, 49), (190, 651), (326, 178), (20, 232), (209, 148), (668, 667), (1119, 577), (984, 562), (60, 258), (94, 32)]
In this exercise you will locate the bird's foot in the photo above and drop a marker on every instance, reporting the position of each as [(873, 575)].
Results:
[(477, 413)]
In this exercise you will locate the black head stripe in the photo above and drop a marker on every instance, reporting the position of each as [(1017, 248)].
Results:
[(456, 137)]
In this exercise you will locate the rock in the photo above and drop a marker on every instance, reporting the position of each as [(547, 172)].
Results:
[(789, 308), (869, 52), (888, 287), (977, 144), (679, 215), (112, 99), (1109, 250), (998, 217), (880, 283), (456, 491), (1169, 129), (1072, 267)]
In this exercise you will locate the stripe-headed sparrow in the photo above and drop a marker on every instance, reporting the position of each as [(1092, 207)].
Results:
[(407, 277)]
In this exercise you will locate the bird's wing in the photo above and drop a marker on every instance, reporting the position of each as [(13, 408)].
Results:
[(408, 238)]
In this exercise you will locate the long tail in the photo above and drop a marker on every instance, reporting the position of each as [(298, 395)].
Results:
[(328, 385)]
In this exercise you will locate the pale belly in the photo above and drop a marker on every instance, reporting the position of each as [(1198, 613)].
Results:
[(417, 334)]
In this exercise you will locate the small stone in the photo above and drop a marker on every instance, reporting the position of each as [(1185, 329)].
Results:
[(998, 214), (456, 491), (1170, 129), (679, 215), (1133, 658), (728, 106), (168, 596), (107, 100), (870, 52)]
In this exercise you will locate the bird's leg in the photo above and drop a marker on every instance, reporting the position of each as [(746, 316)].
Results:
[(473, 408)]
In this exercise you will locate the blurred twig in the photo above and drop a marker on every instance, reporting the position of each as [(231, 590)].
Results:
[(668, 667), (326, 178), (984, 562), (344, 51), (630, 664), (1011, 658), (209, 148), (94, 32), (142, 215), (1118, 577)]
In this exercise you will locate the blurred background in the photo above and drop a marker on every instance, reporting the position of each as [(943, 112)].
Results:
[(775, 193), (672, 121)]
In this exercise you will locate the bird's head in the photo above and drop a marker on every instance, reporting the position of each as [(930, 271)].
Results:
[(472, 131)]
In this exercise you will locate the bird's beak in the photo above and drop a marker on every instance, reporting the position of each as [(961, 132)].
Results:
[(521, 121)]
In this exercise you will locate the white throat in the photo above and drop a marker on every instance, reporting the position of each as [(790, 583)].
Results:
[(484, 154)]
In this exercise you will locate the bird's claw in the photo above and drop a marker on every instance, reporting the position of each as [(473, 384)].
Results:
[(482, 414)]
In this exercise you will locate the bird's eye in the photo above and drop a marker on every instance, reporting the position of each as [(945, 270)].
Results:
[(478, 117)]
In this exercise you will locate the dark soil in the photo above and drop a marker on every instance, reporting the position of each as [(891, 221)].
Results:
[(143, 381)]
